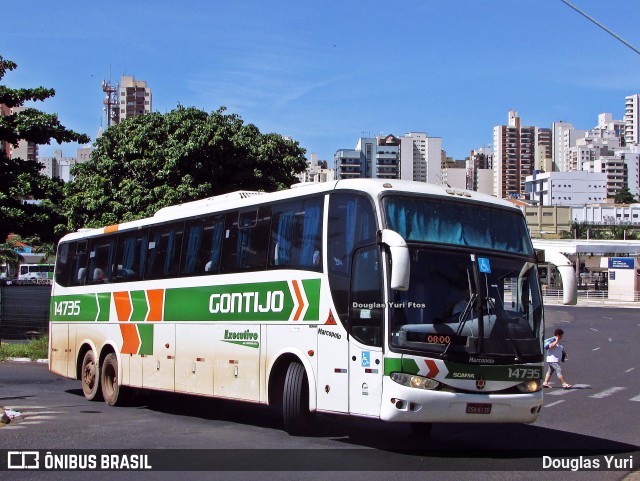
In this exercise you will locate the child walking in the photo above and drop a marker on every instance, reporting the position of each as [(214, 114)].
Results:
[(555, 354)]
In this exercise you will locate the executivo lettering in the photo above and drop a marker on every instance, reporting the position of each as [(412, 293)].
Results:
[(242, 338)]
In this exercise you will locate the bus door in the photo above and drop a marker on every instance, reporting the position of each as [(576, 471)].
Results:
[(366, 314)]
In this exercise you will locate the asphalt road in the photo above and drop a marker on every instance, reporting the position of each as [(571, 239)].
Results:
[(598, 419)]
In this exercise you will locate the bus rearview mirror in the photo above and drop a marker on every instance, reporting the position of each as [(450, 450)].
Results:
[(400, 268)]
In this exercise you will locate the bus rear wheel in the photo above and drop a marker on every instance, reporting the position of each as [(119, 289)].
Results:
[(90, 377), (113, 393), (295, 401)]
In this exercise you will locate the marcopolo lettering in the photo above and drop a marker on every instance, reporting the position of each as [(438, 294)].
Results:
[(237, 302), (324, 332)]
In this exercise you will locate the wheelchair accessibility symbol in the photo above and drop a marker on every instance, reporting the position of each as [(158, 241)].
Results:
[(484, 265), (366, 359)]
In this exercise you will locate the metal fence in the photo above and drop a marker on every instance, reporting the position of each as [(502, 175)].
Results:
[(589, 297), (24, 311)]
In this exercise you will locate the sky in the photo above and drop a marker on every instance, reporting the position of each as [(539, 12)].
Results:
[(327, 72)]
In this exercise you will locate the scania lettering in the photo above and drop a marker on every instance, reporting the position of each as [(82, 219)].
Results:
[(401, 301)]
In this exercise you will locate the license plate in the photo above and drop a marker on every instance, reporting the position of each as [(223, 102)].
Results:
[(478, 408)]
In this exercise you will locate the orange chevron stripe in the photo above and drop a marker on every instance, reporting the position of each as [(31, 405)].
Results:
[(130, 339), (156, 301), (296, 317), (123, 305)]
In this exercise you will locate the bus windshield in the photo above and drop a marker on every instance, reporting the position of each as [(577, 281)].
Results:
[(461, 305), (426, 219), (473, 287)]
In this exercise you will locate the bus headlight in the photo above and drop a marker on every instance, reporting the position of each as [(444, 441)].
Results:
[(410, 380), (530, 386)]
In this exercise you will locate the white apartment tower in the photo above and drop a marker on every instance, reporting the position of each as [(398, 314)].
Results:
[(420, 158), (564, 136), (632, 119)]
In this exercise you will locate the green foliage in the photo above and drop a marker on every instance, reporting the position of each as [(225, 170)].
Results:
[(152, 161), (624, 196), (22, 179), (35, 349), (584, 230), (8, 254)]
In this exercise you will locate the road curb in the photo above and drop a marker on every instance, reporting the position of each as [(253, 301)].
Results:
[(26, 359)]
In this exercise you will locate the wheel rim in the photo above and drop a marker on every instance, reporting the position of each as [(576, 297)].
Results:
[(89, 374)]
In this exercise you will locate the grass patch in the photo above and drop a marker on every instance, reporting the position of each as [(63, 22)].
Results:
[(35, 349)]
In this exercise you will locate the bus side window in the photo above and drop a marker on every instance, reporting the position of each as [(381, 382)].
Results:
[(101, 253), (130, 254), (229, 243), (310, 235), (163, 251), (296, 234), (253, 241), (64, 263), (246, 240), (351, 224), (78, 264), (201, 249)]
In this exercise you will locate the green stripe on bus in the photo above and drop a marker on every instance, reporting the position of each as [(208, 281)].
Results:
[(392, 364), (140, 306), (493, 373), (312, 290), (264, 301), (146, 339), (74, 308), (103, 300)]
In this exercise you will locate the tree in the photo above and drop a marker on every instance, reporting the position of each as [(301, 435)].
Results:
[(21, 179), (155, 160), (9, 256), (624, 196)]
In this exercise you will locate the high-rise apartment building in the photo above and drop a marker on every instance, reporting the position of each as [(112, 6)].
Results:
[(632, 119), (544, 150), (134, 98), (513, 156), (373, 158), (564, 136), (480, 169), (420, 158), (23, 149)]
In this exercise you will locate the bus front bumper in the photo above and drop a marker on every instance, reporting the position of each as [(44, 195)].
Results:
[(406, 404)]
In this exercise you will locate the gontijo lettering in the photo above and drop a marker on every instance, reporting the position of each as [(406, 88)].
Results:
[(269, 301)]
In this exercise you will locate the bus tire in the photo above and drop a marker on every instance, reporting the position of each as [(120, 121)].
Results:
[(112, 392), (90, 377), (295, 401)]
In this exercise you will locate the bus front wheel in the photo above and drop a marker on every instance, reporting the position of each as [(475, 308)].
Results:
[(90, 376), (295, 401), (113, 393)]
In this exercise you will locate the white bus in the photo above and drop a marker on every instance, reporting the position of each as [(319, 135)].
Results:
[(35, 273), (396, 300)]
